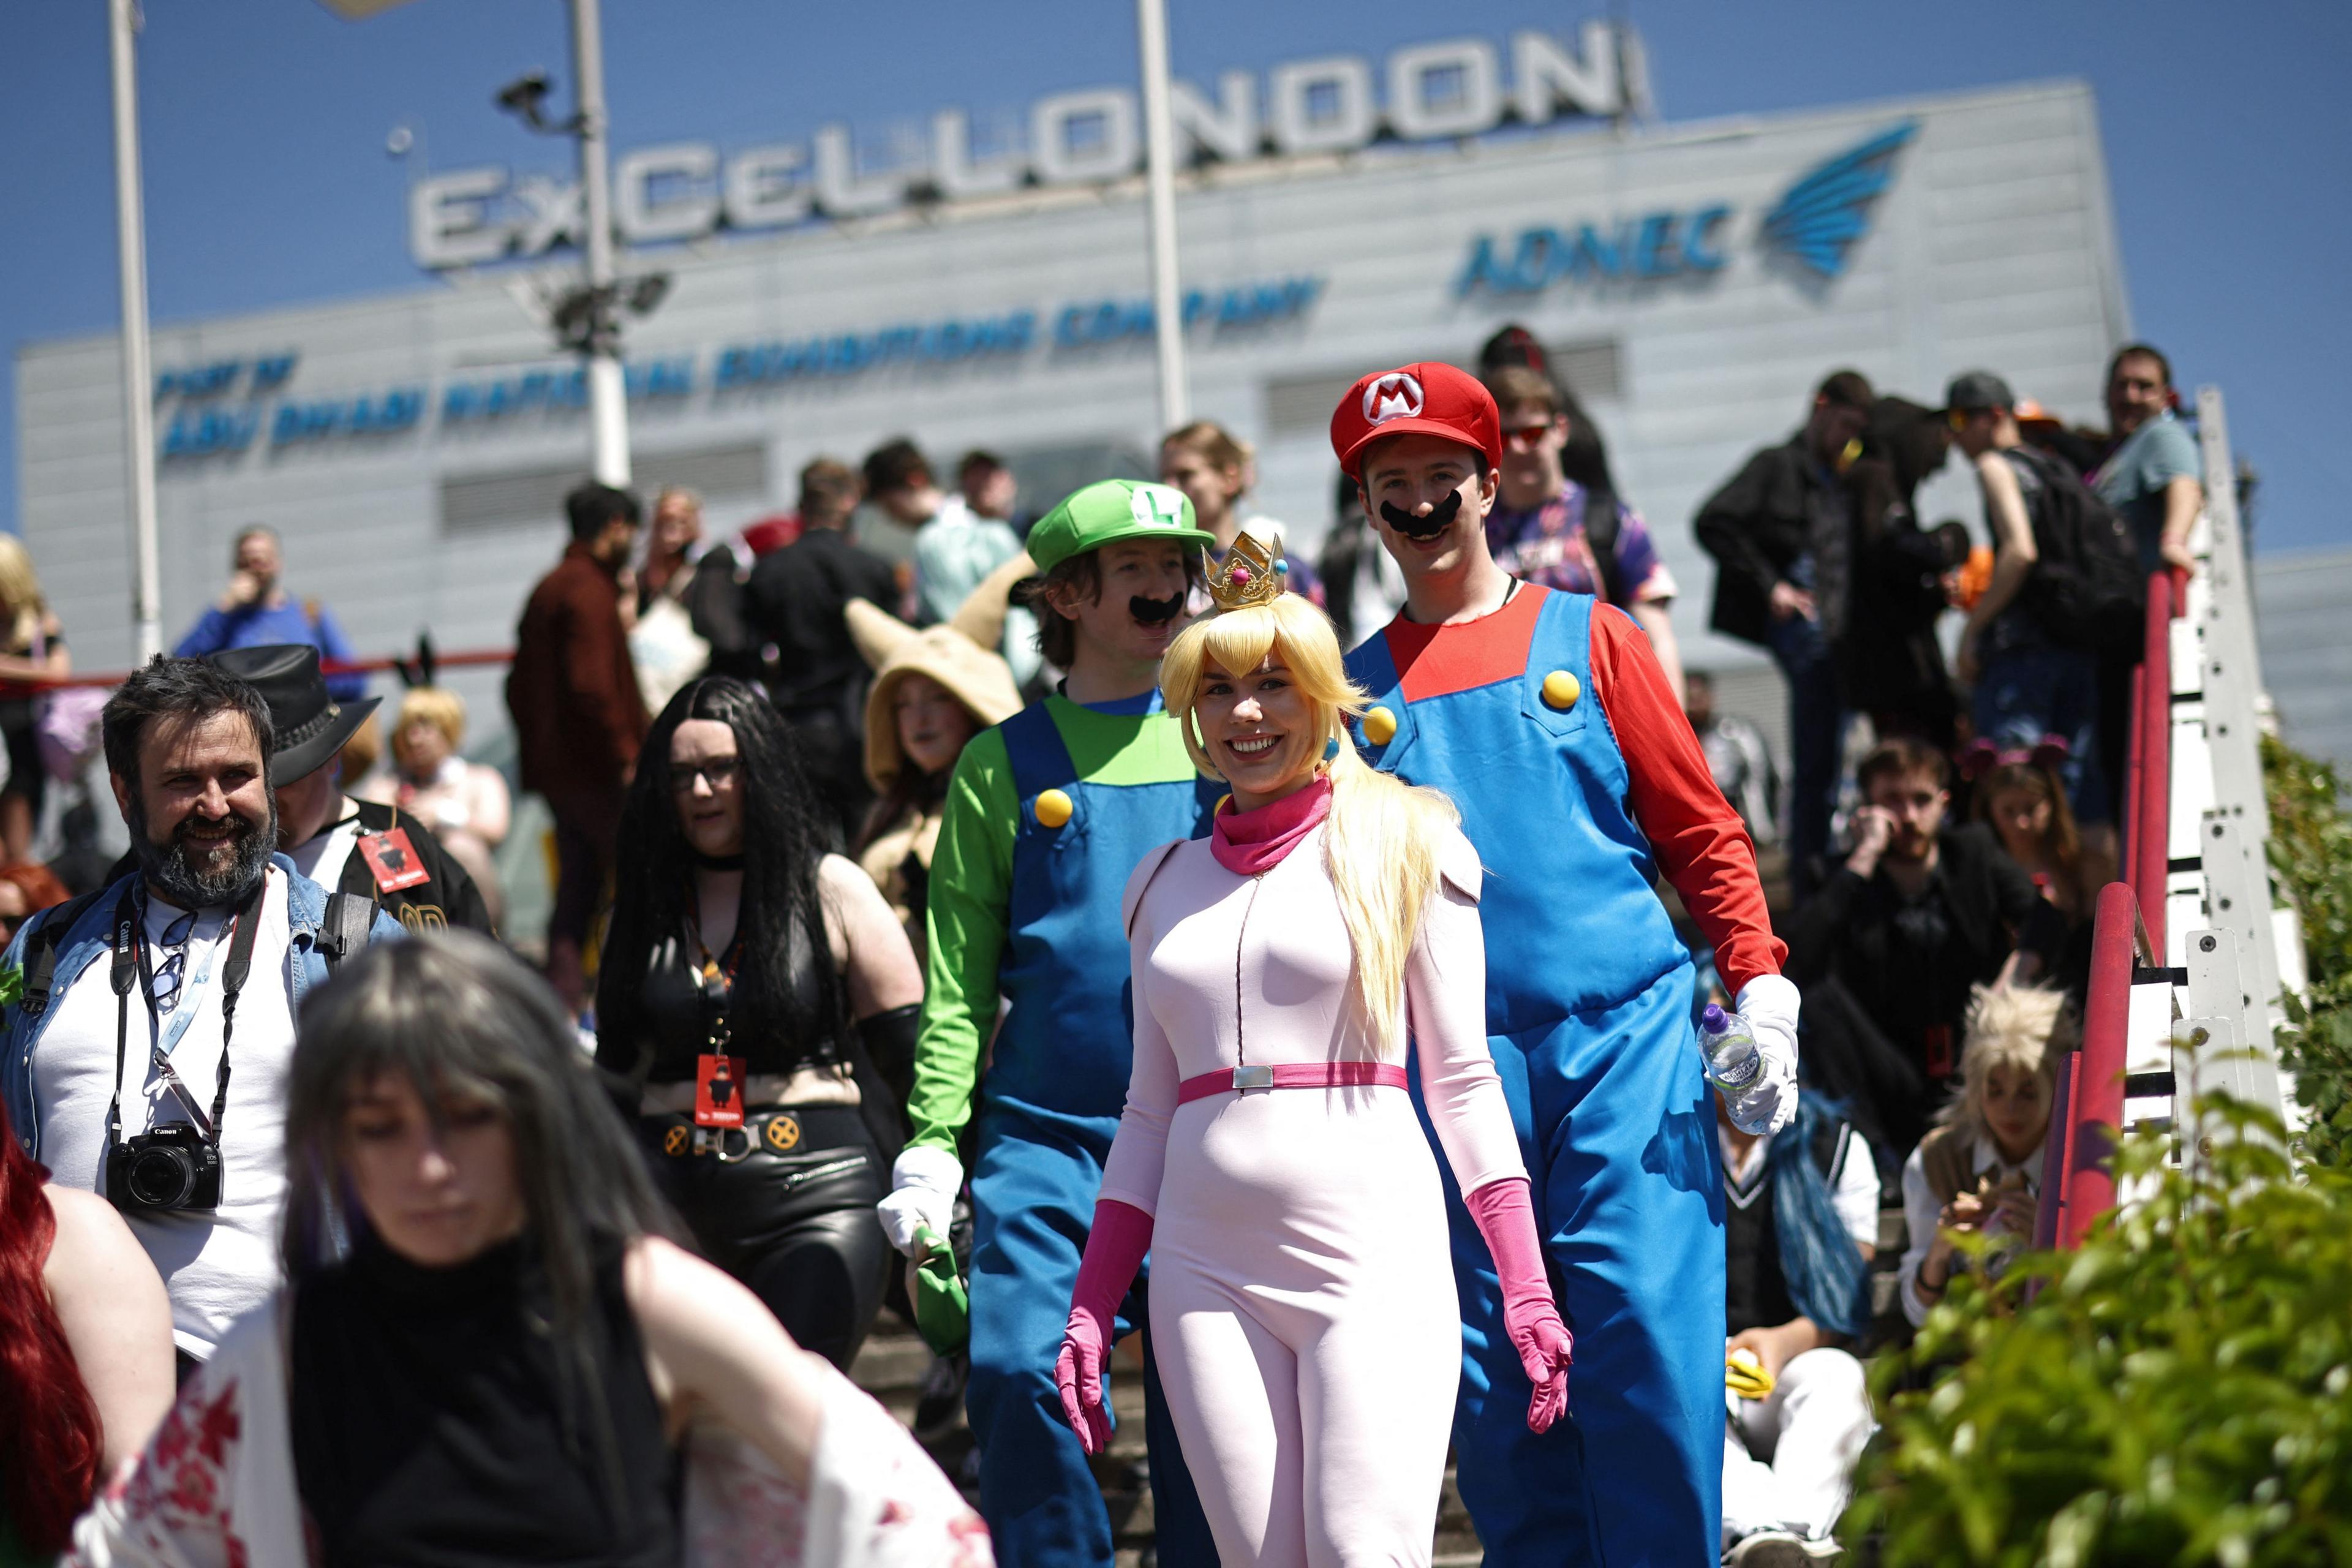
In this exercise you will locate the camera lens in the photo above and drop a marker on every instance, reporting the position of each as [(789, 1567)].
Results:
[(162, 1178)]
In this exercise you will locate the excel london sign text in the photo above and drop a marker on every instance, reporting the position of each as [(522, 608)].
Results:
[(1337, 103)]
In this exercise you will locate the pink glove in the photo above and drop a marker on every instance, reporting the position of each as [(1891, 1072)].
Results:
[(1114, 1249), (1507, 1220)]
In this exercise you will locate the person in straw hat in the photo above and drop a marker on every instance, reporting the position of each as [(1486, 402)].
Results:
[(933, 690)]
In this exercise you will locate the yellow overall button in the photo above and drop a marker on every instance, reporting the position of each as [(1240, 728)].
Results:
[(1380, 726), (1053, 808), (1560, 689)]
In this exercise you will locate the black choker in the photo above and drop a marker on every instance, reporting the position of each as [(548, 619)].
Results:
[(716, 862)]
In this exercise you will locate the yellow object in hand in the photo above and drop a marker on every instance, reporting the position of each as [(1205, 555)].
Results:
[(1744, 1374)]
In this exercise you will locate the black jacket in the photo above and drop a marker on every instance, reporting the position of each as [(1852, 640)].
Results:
[(1865, 934), (796, 596), (1755, 527), (447, 896)]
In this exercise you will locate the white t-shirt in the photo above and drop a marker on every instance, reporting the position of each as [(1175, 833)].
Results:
[(323, 858), (217, 1265)]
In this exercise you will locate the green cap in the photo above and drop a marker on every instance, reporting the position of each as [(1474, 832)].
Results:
[(1111, 510)]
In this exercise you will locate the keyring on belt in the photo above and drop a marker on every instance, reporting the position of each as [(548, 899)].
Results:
[(713, 1140)]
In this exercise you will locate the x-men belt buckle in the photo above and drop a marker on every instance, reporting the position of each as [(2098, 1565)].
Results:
[(1252, 1077)]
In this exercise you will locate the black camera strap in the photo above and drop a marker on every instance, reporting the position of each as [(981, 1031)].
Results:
[(130, 967)]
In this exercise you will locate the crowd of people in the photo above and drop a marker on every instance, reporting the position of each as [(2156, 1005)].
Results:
[(1046, 928)]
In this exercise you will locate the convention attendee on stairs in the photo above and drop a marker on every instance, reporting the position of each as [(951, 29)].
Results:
[(486, 1350), (933, 690), (1269, 1154), (385, 856), (1047, 816), (748, 980), (1546, 719)]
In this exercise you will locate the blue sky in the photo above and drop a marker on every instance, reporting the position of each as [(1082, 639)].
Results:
[(2228, 133)]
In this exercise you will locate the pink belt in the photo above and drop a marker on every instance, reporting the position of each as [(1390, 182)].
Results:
[(1291, 1075)]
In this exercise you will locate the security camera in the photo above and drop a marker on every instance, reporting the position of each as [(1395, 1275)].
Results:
[(524, 95)]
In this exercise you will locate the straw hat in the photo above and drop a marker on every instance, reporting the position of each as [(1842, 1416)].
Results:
[(959, 654)]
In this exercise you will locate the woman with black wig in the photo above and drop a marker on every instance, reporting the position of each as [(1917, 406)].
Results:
[(755, 993)]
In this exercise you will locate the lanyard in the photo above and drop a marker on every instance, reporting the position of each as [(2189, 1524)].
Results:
[(130, 967)]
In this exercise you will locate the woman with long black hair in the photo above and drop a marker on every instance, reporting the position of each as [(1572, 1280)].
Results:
[(754, 991)]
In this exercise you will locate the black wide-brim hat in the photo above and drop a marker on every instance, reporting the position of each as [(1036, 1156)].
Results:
[(312, 725)]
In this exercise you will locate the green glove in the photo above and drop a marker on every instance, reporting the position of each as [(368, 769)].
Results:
[(942, 1306)]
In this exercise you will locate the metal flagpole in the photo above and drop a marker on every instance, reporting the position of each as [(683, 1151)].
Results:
[(1160, 175), (608, 407), (138, 374)]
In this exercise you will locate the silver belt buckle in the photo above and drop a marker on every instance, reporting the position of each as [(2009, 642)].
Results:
[(1252, 1077)]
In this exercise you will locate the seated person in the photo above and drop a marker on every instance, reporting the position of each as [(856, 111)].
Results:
[(1887, 951), (1980, 1173), (1800, 1222), (2023, 799)]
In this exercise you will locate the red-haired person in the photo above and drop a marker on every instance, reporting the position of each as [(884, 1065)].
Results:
[(85, 1353)]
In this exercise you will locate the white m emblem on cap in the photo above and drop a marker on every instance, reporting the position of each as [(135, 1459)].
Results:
[(1396, 395), (1158, 506)]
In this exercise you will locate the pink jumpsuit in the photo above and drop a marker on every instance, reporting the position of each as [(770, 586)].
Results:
[(1302, 1299)]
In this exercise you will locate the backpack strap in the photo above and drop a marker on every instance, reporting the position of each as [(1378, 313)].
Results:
[(344, 929), (40, 971)]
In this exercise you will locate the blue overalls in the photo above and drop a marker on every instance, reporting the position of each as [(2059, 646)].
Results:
[(1050, 1104), (1588, 1015)]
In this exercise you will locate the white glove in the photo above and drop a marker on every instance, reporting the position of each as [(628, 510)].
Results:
[(1770, 1004), (924, 1182)]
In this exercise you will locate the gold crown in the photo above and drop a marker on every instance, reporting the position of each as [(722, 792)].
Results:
[(1250, 575)]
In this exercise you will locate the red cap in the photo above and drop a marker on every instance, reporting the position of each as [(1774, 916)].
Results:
[(1433, 399)]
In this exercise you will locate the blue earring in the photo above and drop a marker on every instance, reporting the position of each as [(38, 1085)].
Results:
[(1331, 750)]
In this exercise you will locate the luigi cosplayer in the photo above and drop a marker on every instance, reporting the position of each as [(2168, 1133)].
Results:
[(1046, 816), (1545, 718)]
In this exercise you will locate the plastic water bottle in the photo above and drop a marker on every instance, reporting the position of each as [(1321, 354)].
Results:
[(1729, 1047)]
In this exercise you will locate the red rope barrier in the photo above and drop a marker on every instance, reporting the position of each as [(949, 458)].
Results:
[(2096, 1107), (2151, 806)]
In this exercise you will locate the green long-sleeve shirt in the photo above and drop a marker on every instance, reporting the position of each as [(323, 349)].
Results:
[(969, 916)]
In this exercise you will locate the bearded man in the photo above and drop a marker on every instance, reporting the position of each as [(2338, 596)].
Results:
[(148, 1026)]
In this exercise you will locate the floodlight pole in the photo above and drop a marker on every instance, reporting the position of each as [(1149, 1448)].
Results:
[(608, 404), (138, 372), (1160, 178)]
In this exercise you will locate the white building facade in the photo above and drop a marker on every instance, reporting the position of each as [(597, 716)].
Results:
[(1694, 282)]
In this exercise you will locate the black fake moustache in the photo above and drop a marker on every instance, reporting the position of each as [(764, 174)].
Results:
[(1440, 517), (1152, 611)]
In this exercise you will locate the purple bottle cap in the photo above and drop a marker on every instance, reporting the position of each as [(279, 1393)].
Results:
[(1711, 1020)]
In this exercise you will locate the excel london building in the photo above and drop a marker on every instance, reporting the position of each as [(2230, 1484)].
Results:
[(983, 280)]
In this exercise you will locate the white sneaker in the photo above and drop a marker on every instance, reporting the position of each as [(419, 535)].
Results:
[(1780, 1549)]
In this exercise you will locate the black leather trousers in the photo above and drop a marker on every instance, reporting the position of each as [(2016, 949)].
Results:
[(785, 1203)]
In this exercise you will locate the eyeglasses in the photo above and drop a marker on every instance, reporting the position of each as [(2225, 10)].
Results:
[(716, 772), (175, 967)]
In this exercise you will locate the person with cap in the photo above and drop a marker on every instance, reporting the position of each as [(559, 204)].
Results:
[(2065, 589), (933, 690), (1545, 718), (1047, 816), (145, 1044), (365, 848), (1782, 535)]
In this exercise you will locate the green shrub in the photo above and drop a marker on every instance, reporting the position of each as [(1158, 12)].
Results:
[(2311, 854), (2179, 1390)]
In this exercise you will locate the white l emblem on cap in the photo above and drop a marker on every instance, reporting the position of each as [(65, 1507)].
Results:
[(1158, 506), (1396, 396)]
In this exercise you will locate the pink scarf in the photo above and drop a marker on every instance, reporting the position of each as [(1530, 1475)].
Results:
[(1249, 842)]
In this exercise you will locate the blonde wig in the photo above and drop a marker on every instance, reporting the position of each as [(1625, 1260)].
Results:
[(2028, 1028), (437, 706), (22, 608), (1381, 841)]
